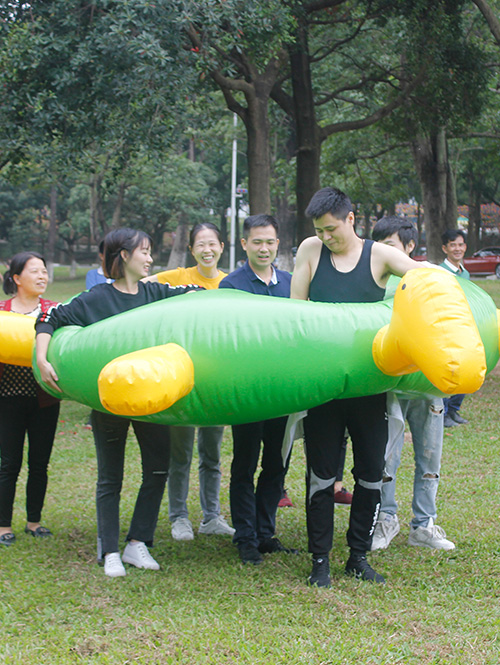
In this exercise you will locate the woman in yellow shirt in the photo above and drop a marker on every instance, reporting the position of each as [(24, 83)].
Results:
[(206, 247)]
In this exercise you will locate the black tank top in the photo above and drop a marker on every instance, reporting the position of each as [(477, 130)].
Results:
[(358, 285)]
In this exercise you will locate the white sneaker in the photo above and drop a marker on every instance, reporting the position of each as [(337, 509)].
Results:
[(430, 536), (386, 529), (182, 529), (216, 527), (137, 554), (113, 566)]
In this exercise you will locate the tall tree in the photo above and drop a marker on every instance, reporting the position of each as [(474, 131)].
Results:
[(345, 75), (240, 44), (444, 104)]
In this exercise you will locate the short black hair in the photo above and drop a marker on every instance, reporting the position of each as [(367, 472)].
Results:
[(259, 220), (329, 200), (114, 242), (16, 266), (452, 234), (391, 224)]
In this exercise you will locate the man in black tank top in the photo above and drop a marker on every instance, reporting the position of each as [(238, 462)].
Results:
[(338, 266)]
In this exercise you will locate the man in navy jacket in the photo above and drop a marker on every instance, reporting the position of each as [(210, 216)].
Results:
[(253, 510)]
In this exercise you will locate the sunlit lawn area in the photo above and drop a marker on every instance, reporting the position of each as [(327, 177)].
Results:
[(57, 607)]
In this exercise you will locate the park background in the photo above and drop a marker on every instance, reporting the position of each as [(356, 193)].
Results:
[(122, 113)]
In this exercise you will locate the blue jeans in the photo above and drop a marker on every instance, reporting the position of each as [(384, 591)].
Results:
[(110, 436), (181, 455), (425, 417), (453, 403)]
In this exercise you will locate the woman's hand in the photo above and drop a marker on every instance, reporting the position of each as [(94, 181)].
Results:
[(48, 375), (47, 372)]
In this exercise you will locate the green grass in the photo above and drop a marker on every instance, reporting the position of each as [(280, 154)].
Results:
[(63, 288), (57, 607)]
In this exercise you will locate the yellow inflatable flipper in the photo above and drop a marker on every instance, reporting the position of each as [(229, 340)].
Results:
[(432, 329), (17, 337), (146, 381)]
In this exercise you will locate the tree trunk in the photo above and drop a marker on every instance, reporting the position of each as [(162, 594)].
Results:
[(51, 242), (191, 149), (474, 217), (287, 231), (256, 87), (419, 224), (491, 18), (307, 132), (430, 154), (223, 227), (98, 225), (368, 223), (117, 212), (258, 157), (177, 258), (94, 226)]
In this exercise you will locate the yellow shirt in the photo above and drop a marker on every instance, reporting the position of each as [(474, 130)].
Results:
[(192, 275)]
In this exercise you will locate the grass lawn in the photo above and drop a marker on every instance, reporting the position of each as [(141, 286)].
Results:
[(57, 607)]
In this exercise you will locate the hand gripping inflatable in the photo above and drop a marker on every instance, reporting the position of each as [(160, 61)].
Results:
[(232, 357)]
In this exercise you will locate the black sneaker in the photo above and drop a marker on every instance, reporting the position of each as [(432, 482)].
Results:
[(250, 554), (454, 415), (448, 421), (358, 566), (320, 574), (271, 545)]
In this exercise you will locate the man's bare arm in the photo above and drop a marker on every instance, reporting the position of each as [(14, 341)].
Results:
[(302, 273), (391, 261)]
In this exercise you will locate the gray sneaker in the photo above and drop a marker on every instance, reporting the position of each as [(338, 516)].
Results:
[(182, 529), (113, 566), (137, 554), (430, 536), (386, 529), (216, 527)]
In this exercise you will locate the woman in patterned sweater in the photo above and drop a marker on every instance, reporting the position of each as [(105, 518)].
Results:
[(24, 407)]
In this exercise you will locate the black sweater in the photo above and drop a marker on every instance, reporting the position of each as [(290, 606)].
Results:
[(103, 301)]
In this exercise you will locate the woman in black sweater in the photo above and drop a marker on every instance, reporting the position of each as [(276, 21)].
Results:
[(127, 259)]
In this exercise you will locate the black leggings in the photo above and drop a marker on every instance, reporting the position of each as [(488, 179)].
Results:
[(324, 429), (18, 416)]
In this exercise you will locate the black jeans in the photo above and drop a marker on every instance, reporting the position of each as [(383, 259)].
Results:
[(324, 428), (18, 416), (253, 510), (110, 436)]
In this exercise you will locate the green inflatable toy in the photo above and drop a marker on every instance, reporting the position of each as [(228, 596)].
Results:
[(228, 357)]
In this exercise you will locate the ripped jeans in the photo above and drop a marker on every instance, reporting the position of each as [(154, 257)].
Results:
[(110, 436), (425, 418)]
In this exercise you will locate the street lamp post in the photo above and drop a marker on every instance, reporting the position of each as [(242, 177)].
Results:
[(233, 199)]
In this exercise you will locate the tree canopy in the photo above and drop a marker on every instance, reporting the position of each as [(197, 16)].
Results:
[(120, 98)]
